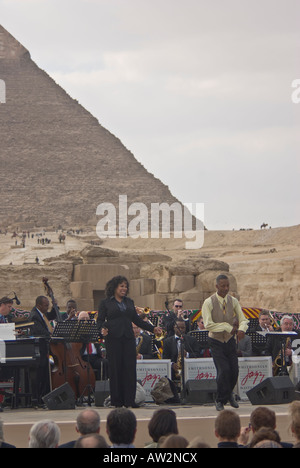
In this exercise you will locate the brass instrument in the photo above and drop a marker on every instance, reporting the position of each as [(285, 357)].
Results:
[(273, 323), (147, 310), (138, 347), (279, 363)]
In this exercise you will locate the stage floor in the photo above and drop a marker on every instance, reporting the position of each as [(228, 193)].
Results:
[(193, 421)]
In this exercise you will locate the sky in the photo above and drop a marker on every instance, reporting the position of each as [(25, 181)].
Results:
[(200, 91)]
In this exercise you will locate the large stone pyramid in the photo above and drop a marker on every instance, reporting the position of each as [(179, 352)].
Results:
[(57, 162)]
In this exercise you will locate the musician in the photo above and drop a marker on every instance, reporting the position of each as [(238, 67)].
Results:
[(5, 307), (173, 344), (264, 324), (273, 346), (169, 319), (42, 328), (218, 312), (115, 316), (92, 352), (264, 320), (71, 312), (143, 343)]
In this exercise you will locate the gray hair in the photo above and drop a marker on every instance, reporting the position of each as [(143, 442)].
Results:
[(285, 317), (44, 434), (88, 421)]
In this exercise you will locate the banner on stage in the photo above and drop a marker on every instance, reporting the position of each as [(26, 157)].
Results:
[(150, 371), (252, 371)]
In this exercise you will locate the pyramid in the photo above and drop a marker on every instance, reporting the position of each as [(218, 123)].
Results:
[(58, 163)]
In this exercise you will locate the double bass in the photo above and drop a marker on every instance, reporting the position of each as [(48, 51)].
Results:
[(68, 364)]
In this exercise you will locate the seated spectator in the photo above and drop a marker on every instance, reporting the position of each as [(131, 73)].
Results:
[(260, 417), (44, 434), (121, 428), (174, 441), (227, 429), (198, 442), (265, 437), (4, 444), (162, 424), (87, 422), (91, 441), (295, 421)]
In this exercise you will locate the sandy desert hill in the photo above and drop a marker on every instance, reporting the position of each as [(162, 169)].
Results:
[(265, 262)]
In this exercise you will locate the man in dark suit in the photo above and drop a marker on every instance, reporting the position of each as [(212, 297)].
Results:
[(172, 346), (143, 344), (42, 328)]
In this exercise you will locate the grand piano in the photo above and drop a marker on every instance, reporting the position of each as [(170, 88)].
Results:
[(19, 361)]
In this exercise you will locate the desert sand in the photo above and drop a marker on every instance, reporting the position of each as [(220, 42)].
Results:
[(265, 262)]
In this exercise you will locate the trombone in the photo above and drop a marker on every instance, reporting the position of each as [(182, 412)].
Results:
[(146, 311)]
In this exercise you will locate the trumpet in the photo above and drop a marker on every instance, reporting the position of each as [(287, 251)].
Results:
[(147, 310)]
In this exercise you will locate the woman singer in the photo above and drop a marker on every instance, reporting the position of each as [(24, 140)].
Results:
[(115, 316)]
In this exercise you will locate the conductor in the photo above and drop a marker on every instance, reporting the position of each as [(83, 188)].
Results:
[(115, 316)]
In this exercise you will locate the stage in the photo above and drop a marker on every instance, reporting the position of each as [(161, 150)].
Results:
[(193, 420)]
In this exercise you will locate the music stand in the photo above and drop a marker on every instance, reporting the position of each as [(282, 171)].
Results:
[(79, 331)]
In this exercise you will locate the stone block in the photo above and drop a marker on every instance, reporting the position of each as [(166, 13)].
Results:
[(181, 283), (148, 286), (98, 274), (163, 285), (81, 289)]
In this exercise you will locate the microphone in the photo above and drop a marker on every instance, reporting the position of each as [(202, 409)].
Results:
[(16, 299)]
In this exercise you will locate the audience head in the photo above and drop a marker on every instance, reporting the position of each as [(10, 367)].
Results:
[(295, 419), (262, 417), (162, 423), (174, 441), (227, 426), (265, 437), (121, 426), (44, 434), (88, 422), (91, 441)]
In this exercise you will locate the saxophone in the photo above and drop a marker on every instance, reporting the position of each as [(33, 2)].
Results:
[(138, 347), (278, 364)]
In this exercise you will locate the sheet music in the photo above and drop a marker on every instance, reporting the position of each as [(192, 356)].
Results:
[(7, 331)]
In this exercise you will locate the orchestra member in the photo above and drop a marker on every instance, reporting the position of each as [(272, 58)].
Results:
[(172, 347), (115, 317), (92, 353), (42, 328), (169, 320), (143, 343), (5, 307)]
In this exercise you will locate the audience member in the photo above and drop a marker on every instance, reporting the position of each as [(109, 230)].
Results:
[(265, 437), (227, 429), (162, 424), (44, 434), (174, 441), (87, 422), (4, 444), (260, 417), (91, 441), (295, 421), (198, 442), (121, 428)]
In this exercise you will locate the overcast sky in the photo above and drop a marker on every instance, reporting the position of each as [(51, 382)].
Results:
[(200, 91)]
